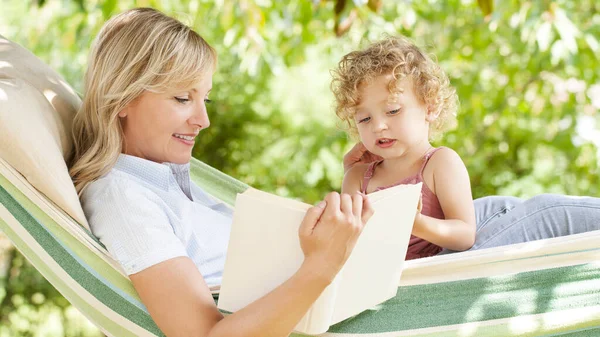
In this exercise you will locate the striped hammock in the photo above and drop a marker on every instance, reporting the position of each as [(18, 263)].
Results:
[(543, 288)]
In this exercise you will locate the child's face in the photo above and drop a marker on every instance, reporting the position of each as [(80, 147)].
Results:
[(390, 126)]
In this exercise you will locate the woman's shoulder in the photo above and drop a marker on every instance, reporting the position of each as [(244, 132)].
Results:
[(107, 183), (115, 187)]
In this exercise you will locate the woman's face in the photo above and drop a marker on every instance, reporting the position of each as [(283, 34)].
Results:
[(163, 127)]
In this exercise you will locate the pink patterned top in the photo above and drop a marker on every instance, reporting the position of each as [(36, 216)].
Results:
[(417, 247)]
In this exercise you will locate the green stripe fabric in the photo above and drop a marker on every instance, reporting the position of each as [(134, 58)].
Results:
[(98, 317), (66, 239), (215, 182), (79, 273), (479, 306), (448, 303)]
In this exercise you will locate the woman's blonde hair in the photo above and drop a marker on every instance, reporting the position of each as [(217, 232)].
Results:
[(138, 50), (401, 58)]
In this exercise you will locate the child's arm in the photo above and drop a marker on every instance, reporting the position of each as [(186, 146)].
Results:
[(353, 178), (452, 186)]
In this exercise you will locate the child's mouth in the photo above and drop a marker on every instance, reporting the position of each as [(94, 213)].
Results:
[(385, 142)]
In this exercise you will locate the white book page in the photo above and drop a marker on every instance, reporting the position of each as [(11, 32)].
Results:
[(264, 252), (275, 199), (371, 274)]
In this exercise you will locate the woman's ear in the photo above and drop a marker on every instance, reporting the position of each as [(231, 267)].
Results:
[(123, 113)]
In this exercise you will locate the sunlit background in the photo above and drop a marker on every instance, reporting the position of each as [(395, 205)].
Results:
[(527, 74)]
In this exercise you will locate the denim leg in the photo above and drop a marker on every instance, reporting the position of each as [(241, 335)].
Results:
[(491, 208), (488, 209), (541, 217)]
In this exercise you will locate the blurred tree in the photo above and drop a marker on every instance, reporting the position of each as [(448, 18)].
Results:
[(527, 74)]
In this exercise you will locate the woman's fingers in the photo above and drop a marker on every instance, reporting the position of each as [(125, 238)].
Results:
[(328, 235), (332, 210), (367, 210), (346, 204), (312, 218), (357, 205)]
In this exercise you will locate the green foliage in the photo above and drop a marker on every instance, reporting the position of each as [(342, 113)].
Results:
[(527, 74)]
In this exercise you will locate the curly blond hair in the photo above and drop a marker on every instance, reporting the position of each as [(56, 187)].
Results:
[(401, 58)]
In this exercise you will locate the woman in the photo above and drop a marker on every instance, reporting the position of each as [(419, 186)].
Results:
[(146, 87)]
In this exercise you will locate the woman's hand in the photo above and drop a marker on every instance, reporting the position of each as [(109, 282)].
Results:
[(359, 154), (329, 231), (180, 302)]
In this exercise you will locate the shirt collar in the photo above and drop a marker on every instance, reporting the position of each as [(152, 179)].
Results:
[(157, 174)]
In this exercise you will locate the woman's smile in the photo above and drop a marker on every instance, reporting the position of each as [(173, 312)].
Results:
[(185, 139)]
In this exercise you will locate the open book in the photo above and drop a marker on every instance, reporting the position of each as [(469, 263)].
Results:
[(264, 251)]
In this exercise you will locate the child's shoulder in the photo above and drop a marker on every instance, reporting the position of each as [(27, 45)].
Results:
[(358, 170), (353, 178), (444, 156)]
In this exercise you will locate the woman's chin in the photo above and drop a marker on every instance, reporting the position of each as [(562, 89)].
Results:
[(181, 159)]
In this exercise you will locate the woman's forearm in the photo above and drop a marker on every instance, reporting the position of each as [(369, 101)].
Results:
[(278, 312), (451, 233)]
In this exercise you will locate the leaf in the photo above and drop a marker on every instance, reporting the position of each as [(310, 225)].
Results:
[(375, 5), (344, 18), (567, 30), (592, 43), (108, 8), (339, 6), (487, 6), (544, 36), (81, 5)]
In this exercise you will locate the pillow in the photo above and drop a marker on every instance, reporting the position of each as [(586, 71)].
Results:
[(36, 112)]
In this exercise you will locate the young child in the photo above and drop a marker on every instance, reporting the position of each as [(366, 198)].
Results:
[(396, 98)]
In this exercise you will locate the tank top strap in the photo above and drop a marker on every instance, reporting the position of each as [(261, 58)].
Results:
[(426, 158), (368, 175)]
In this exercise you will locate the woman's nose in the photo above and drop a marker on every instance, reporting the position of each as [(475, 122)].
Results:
[(200, 117)]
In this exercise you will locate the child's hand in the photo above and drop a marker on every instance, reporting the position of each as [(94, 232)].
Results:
[(418, 214), (359, 154)]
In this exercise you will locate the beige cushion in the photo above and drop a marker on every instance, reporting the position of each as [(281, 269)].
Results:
[(36, 111)]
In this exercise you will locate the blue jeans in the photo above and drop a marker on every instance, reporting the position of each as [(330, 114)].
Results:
[(508, 220)]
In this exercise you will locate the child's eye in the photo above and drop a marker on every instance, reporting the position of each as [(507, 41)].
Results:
[(207, 101), (182, 100), (393, 112), (364, 120)]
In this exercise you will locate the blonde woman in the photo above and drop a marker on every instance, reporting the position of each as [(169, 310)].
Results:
[(146, 86)]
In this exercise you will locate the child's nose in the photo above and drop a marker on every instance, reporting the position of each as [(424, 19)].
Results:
[(379, 125)]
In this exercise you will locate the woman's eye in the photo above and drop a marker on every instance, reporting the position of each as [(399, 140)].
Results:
[(364, 120), (393, 112), (182, 100), (207, 101)]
